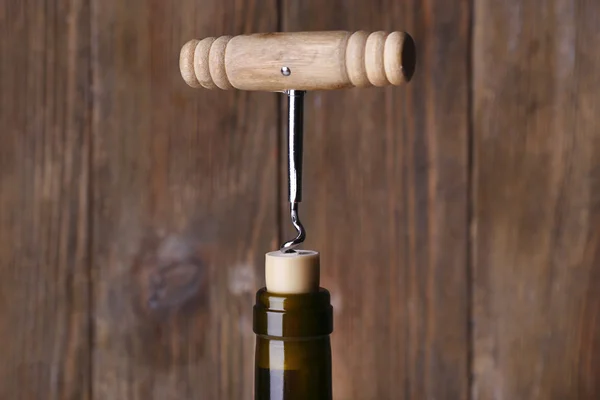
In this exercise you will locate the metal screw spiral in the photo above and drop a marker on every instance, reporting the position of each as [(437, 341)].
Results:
[(295, 118)]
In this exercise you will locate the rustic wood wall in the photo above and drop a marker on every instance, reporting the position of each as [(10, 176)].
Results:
[(458, 217)]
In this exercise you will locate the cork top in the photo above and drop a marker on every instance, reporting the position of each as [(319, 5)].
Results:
[(292, 273)]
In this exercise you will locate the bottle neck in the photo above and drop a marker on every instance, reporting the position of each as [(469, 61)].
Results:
[(293, 369), (293, 350)]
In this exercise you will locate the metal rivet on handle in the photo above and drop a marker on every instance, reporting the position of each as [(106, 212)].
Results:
[(285, 71)]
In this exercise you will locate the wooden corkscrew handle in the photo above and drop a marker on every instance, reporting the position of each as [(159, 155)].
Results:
[(299, 60)]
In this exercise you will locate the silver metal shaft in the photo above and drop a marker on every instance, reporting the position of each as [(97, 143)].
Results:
[(295, 138)]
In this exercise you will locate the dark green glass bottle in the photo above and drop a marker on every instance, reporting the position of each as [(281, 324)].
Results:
[(293, 350)]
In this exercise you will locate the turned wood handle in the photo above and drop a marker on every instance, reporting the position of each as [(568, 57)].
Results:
[(299, 60)]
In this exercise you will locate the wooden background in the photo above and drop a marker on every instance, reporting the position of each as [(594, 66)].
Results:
[(458, 217)]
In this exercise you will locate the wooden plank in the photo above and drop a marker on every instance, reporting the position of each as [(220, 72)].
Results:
[(44, 160), (184, 204), (537, 200), (385, 201)]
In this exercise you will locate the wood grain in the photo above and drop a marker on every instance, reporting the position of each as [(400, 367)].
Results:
[(184, 205), (44, 224), (385, 201), (135, 212), (537, 200)]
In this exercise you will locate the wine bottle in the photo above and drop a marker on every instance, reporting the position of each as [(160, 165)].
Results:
[(293, 350)]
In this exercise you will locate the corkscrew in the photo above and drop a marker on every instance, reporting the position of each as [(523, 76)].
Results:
[(294, 63)]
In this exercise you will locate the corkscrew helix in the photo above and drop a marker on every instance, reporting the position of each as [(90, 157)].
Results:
[(294, 63), (295, 153)]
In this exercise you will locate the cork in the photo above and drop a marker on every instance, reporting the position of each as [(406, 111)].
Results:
[(292, 273)]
